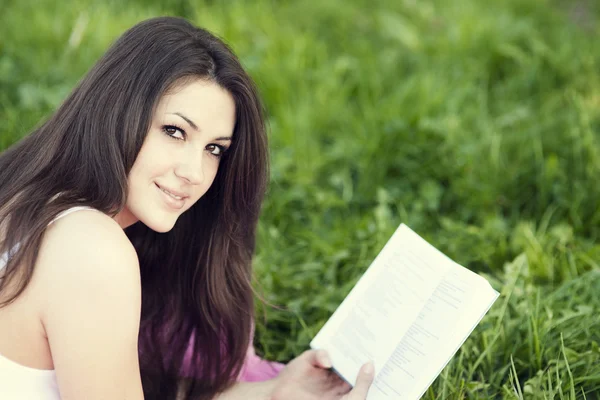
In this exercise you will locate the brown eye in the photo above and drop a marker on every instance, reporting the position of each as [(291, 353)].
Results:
[(215, 150), (174, 132)]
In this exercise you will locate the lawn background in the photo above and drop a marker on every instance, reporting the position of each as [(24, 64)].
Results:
[(474, 122)]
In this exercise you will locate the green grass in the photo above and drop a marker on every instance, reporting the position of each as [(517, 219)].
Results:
[(475, 122)]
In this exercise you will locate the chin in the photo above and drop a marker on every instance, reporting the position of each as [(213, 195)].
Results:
[(162, 229), (160, 226)]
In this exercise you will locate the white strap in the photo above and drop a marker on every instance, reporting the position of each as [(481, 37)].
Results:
[(69, 211), (4, 257)]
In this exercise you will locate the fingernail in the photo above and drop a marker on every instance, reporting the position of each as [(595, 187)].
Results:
[(326, 361), (369, 368)]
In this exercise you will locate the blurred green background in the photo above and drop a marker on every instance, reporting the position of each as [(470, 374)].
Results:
[(474, 122)]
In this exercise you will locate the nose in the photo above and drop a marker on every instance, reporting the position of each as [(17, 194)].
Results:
[(191, 168)]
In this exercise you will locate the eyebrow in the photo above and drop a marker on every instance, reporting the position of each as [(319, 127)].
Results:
[(189, 121), (193, 125)]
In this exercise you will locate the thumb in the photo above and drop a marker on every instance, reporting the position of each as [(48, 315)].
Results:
[(319, 358), (363, 382)]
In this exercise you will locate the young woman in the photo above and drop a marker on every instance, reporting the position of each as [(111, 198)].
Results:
[(127, 227)]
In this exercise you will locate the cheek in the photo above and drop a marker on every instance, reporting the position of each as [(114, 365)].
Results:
[(211, 173), (154, 157), (210, 169), (147, 168)]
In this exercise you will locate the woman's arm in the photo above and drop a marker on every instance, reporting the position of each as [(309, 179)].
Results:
[(88, 274)]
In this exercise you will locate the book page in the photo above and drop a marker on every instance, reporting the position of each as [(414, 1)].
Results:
[(438, 332), (401, 314)]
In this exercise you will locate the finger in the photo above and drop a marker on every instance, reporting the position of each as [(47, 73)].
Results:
[(363, 382), (319, 358), (337, 384), (341, 386)]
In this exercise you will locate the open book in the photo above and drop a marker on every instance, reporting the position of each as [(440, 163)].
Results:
[(409, 314)]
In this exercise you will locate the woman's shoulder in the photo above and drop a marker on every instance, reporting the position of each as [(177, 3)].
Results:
[(86, 230), (89, 301), (86, 248)]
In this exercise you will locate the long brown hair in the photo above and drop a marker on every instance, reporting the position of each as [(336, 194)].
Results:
[(197, 301)]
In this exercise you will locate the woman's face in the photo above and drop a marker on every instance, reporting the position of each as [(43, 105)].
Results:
[(191, 129)]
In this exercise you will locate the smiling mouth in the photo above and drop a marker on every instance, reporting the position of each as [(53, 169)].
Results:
[(169, 193)]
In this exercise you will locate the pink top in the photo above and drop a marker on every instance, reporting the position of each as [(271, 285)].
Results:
[(256, 369)]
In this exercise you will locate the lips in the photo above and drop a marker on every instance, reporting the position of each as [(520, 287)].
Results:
[(173, 193)]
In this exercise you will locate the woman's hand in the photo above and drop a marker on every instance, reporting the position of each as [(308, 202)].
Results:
[(309, 377)]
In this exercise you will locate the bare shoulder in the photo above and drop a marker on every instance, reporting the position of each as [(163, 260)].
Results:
[(87, 230), (87, 253), (87, 242), (89, 290)]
